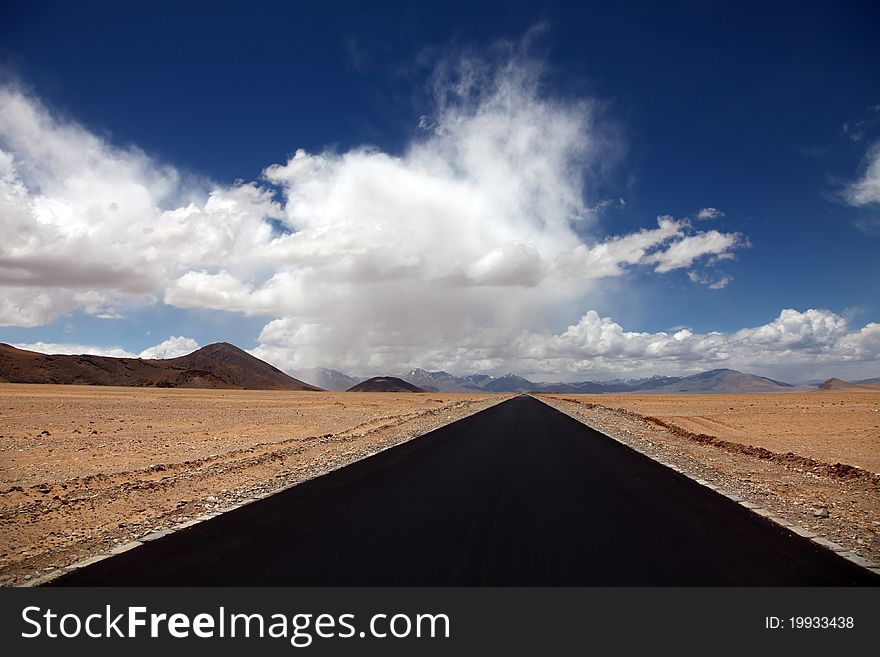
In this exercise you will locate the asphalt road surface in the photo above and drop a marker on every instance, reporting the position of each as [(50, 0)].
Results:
[(519, 494)]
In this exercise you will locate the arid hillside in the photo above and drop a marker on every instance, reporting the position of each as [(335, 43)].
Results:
[(219, 365), (385, 384)]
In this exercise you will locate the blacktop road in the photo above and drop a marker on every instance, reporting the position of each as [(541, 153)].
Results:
[(519, 494)]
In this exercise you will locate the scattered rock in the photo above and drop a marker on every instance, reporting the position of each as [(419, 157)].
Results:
[(821, 512)]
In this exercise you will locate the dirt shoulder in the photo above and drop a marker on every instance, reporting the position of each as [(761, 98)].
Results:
[(836, 500), (86, 469)]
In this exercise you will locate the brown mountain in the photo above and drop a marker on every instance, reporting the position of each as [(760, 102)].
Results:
[(219, 365), (841, 385), (385, 384)]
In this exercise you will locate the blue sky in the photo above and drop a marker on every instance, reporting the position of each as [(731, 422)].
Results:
[(478, 187)]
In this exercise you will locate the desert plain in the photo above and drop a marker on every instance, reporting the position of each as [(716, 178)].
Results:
[(86, 470), (827, 426)]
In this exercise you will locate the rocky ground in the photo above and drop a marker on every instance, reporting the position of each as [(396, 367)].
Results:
[(838, 501), (85, 470)]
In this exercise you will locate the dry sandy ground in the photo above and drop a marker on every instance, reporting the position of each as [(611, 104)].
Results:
[(827, 426), (810, 458), (84, 469)]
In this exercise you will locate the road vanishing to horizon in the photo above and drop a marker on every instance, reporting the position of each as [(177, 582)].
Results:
[(519, 494)]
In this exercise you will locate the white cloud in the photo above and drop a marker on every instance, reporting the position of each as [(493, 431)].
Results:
[(486, 197), (171, 348), (511, 264), (458, 253), (712, 283), (799, 344), (88, 226), (794, 339), (672, 245), (812, 343), (683, 252), (866, 190), (709, 213), (720, 283), (74, 349), (809, 337), (812, 331)]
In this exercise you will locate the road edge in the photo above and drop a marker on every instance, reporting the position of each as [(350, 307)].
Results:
[(816, 539), (161, 533)]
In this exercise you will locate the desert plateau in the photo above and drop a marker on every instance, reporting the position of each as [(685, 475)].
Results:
[(85, 469), (827, 426)]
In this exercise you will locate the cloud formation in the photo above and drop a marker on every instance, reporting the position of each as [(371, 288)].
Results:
[(797, 343), (811, 338), (170, 348), (74, 349), (794, 343), (88, 226), (709, 213), (712, 283), (173, 347), (866, 190), (461, 252), (490, 196)]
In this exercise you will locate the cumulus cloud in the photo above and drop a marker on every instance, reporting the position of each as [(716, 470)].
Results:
[(808, 338), (74, 349), (866, 190), (171, 348), (486, 197), (458, 252), (814, 342), (799, 343), (709, 213), (88, 226)]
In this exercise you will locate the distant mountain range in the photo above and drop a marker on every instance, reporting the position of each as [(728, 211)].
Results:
[(443, 381), (713, 381), (322, 377), (219, 365), (222, 365), (721, 380)]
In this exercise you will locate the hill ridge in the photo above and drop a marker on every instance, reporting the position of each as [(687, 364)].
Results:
[(217, 365), (385, 384), (839, 384)]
